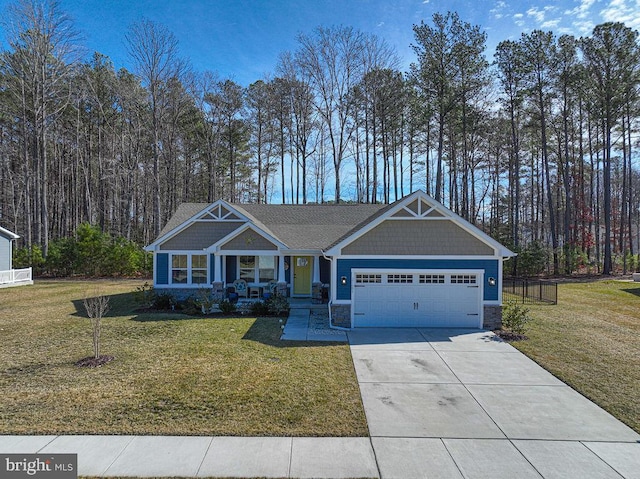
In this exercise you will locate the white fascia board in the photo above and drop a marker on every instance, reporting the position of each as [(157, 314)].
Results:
[(303, 252), (8, 234), (426, 257), (154, 246)]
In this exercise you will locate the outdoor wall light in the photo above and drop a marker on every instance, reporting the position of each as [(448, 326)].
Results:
[(343, 280), (492, 281)]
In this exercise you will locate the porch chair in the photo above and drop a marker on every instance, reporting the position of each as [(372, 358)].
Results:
[(241, 287), (270, 289)]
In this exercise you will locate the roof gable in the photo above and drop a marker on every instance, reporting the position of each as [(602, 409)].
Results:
[(189, 214), (420, 206)]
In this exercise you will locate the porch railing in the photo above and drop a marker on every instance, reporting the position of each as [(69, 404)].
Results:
[(15, 277), (530, 291)]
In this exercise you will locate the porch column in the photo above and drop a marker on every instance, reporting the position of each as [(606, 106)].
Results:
[(281, 276), (217, 285), (316, 269), (217, 273)]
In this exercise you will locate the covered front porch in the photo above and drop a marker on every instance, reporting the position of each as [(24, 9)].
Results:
[(305, 275)]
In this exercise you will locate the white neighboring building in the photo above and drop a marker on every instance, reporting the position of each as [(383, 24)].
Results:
[(8, 275)]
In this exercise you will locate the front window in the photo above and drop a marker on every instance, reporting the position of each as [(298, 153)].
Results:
[(199, 269), (267, 268), (248, 268), (189, 269), (257, 269), (179, 271)]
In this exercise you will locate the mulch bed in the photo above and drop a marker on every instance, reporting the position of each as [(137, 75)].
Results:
[(509, 335), (92, 362)]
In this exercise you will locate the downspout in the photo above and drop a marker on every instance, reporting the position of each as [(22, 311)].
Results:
[(331, 325)]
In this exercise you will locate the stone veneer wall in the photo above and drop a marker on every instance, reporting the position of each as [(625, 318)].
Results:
[(341, 315), (180, 294), (492, 317)]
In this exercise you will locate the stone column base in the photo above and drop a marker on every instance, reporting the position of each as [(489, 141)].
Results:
[(316, 293), (492, 317), (341, 315), (217, 290), (282, 289)]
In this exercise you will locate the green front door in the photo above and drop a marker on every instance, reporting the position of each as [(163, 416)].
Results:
[(302, 275)]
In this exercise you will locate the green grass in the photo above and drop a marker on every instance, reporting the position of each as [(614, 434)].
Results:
[(172, 374), (591, 341)]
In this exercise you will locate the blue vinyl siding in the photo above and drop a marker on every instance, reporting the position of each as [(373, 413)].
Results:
[(162, 268), (490, 267)]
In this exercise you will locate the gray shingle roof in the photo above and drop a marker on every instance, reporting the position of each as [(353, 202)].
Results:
[(297, 226)]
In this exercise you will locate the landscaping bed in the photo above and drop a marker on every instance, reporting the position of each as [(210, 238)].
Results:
[(591, 341), (171, 373)]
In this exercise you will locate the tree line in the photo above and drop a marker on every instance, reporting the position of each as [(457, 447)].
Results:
[(536, 147)]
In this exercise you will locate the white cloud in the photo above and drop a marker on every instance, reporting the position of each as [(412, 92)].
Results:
[(584, 27), (538, 15), (581, 11), (550, 24), (621, 11), (518, 19), (498, 10)]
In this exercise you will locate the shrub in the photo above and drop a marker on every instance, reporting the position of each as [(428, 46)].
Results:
[(26, 257), (164, 301), (204, 300), (260, 308), (277, 304), (515, 317), (227, 306), (145, 295)]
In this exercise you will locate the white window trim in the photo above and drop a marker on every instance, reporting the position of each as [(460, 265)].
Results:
[(256, 268), (189, 283)]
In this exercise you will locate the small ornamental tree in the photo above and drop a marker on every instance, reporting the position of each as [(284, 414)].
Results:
[(96, 307)]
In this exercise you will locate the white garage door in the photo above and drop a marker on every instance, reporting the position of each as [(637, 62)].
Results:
[(426, 298)]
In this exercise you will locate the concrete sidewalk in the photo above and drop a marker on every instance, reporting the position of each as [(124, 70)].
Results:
[(191, 456), (311, 324)]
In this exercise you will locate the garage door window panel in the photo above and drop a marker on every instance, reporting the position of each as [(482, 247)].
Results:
[(399, 278), (463, 279)]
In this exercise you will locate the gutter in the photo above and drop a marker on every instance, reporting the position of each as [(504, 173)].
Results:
[(331, 325)]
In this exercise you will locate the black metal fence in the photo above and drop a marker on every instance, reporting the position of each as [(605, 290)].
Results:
[(529, 291)]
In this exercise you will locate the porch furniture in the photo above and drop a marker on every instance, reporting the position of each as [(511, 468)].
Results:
[(271, 286), (255, 291), (241, 287)]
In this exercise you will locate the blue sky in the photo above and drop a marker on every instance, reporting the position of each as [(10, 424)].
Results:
[(242, 39)]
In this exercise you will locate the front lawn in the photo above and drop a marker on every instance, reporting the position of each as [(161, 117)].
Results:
[(591, 340), (172, 374)]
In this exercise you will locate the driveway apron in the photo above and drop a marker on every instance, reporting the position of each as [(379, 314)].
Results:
[(463, 403)]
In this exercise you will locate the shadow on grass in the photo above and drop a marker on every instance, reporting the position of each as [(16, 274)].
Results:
[(121, 304), (634, 291), (267, 331)]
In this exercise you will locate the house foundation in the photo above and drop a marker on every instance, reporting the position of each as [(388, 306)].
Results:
[(492, 317), (341, 315)]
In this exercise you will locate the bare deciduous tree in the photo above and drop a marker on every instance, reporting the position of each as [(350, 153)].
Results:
[(96, 306)]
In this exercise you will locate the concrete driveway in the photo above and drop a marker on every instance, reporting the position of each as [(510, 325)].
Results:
[(460, 403)]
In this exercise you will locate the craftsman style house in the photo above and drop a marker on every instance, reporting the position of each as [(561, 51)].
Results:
[(413, 263)]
